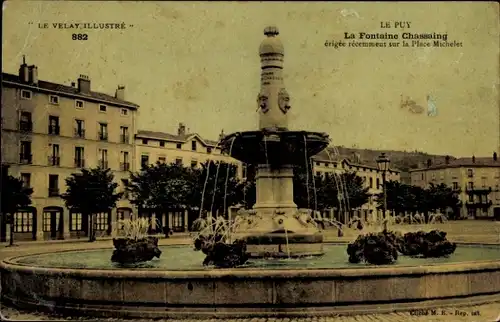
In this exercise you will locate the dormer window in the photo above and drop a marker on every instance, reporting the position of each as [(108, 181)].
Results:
[(26, 94), (124, 112), (193, 145), (102, 108)]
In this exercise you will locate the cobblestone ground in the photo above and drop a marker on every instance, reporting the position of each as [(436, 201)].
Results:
[(481, 313)]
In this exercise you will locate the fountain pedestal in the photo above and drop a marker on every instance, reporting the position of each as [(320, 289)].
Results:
[(275, 227)]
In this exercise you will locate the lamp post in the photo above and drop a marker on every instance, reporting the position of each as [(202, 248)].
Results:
[(383, 165)]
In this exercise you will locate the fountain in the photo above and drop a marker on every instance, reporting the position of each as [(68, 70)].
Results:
[(86, 282), (276, 228)]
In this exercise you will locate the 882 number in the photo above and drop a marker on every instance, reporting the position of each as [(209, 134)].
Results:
[(79, 37)]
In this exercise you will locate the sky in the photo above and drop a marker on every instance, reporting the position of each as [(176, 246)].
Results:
[(198, 63)]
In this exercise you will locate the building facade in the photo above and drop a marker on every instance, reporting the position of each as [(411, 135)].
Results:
[(324, 163), (476, 180), (50, 131)]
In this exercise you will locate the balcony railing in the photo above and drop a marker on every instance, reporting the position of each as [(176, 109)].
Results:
[(80, 133), (54, 160), (479, 204), (54, 129), (103, 164), (79, 163), (124, 166), (477, 190), (53, 192), (25, 158), (103, 136), (124, 138), (25, 126)]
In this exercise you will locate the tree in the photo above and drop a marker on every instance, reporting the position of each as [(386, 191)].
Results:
[(441, 197), (162, 187), (90, 192), (14, 197)]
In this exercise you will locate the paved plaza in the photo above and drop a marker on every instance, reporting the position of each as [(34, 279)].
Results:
[(465, 231)]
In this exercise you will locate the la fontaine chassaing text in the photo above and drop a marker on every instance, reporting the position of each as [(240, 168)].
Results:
[(400, 36)]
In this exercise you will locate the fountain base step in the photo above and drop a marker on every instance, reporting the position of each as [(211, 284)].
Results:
[(280, 245)]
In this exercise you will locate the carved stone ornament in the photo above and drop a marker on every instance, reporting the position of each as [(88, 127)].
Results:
[(284, 100), (262, 101)]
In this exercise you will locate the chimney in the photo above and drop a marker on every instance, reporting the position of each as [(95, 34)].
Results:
[(447, 159), (473, 159), (84, 84), (120, 92), (73, 84), (182, 129), (495, 157), (429, 163), (23, 71), (221, 135), (33, 74)]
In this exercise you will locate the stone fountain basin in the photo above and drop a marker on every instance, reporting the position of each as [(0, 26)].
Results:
[(134, 293), (274, 147)]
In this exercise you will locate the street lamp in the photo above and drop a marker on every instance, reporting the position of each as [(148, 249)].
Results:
[(383, 165)]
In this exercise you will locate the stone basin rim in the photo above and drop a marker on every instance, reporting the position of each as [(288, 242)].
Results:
[(11, 264)]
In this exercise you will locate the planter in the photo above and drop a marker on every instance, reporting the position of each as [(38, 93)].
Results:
[(220, 254), (128, 250)]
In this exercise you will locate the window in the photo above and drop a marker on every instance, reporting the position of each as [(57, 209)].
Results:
[(102, 108), (25, 124), (25, 155), (470, 185), (103, 158), (193, 145), (54, 99), (103, 131), (178, 221), (124, 137), (422, 178), (47, 216), (162, 159), (162, 144), (53, 185), (455, 185), (79, 157), (23, 222), (124, 112), (102, 221), (194, 163), (54, 159), (26, 179), (378, 183), (209, 150), (144, 160), (124, 163), (471, 198), (75, 219), (179, 146), (470, 173), (53, 125), (26, 94), (371, 182), (79, 104), (144, 141), (178, 161), (79, 128)]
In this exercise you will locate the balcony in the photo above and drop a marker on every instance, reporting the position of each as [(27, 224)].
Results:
[(103, 136), (79, 163), (125, 166), (478, 191), (53, 192), (54, 160), (25, 126), (54, 130), (479, 204), (80, 133), (25, 158), (103, 164), (124, 138)]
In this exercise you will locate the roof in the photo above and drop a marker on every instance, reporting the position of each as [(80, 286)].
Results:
[(478, 162), (331, 154), (173, 137), (68, 90)]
